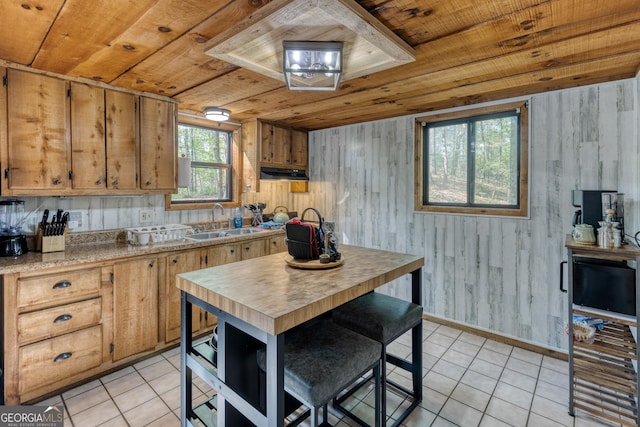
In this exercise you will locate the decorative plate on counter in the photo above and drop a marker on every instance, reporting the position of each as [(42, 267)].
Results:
[(312, 264)]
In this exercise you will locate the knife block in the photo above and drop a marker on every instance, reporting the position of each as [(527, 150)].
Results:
[(46, 244)]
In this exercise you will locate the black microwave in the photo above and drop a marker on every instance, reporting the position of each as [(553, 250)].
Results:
[(604, 284)]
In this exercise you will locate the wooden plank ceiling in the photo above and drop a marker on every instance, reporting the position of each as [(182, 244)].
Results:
[(467, 51)]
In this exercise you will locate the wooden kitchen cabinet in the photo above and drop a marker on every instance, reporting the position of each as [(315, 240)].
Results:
[(282, 147), (277, 244), (38, 153), (88, 158), (176, 264), (53, 330), (104, 140), (71, 138), (254, 248), (122, 148), (158, 145), (269, 145), (135, 307)]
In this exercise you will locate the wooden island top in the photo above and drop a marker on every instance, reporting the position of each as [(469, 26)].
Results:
[(274, 297)]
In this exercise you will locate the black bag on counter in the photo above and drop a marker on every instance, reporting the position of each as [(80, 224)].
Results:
[(304, 240)]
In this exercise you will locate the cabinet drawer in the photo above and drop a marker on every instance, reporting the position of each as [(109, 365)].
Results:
[(55, 289), (59, 359), (60, 320)]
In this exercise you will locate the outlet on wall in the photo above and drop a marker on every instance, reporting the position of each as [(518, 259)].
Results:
[(146, 215), (75, 220)]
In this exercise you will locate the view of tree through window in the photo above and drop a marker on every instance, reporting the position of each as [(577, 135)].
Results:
[(473, 161), (210, 154)]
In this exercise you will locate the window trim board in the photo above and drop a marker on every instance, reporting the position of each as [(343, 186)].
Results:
[(523, 210)]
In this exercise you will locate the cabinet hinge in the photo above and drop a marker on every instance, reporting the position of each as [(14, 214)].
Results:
[(69, 93), (111, 348), (111, 277), (5, 81), (6, 173), (70, 175)]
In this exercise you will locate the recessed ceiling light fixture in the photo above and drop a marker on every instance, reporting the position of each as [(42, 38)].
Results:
[(216, 114), (312, 65)]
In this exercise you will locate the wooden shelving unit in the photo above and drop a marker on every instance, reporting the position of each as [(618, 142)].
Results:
[(603, 373)]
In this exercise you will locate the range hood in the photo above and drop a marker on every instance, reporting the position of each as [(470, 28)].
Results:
[(283, 174)]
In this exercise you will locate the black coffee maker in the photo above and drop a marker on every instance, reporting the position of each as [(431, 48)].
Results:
[(13, 242), (593, 206)]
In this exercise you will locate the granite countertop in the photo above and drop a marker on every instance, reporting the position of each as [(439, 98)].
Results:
[(106, 246)]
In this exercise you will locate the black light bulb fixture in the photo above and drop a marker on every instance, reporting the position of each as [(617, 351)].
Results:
[(216, 114), (312, 65)]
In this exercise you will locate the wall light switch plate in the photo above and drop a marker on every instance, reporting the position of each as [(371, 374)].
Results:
[(146, 215)]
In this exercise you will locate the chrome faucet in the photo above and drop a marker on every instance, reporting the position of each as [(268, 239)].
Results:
[(213, 214)]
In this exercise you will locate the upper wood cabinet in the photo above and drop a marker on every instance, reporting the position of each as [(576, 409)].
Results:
[(266, 144), (158, 149), (38, 145), (282, 147), (88, 157), (104, 139), (73, 138), (121, 140)]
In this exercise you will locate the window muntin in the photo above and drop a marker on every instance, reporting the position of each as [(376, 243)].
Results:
[(210, 151), (473, 162)]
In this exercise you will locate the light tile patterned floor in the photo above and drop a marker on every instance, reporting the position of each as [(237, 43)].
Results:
[(467, 381)]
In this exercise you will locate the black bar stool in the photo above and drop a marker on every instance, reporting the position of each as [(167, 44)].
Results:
[(322, 359), (384, 318)]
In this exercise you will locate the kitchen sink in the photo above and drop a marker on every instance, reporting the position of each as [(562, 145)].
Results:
[(210, 235)]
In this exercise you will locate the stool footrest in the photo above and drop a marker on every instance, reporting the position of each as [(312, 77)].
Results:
[(400, 363)]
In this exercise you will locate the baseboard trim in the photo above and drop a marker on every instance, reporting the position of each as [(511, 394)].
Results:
[(500, 338)]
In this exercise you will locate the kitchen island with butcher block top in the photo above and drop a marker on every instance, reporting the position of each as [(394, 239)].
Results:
[(256, 302)]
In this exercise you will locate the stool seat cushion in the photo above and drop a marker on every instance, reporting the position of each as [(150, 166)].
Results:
[(322, 359), (377, 316)]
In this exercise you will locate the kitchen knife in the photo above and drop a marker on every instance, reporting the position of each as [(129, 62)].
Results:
[(59, 215), (45, 218)]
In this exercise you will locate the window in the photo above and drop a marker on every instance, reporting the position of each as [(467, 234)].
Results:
[(473, 161), (213, 157)]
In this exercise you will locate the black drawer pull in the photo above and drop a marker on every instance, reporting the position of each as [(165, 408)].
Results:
[(62, 318), (62, 356), (62, 284)]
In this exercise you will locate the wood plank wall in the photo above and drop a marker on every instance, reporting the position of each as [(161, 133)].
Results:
[(498, 274)]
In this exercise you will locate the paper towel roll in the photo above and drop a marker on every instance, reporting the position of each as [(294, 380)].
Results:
[(184, 172)]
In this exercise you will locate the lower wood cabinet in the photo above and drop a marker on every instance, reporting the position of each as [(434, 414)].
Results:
[(135, 307), (176, 264), (57, 359), (67, 324), (53, 330)]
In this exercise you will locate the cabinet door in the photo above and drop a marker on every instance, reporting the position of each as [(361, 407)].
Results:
[(266, 142), (277, 244), (218, 255), (177, 264), (122, 140), (88, 158), (299, 149), (135, 307), (281, 146), (38, 144), (254, 249), (158, 150), (214, 256)]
